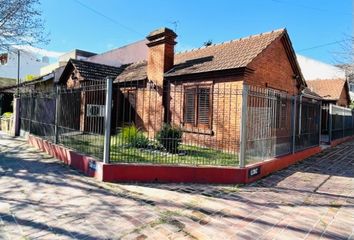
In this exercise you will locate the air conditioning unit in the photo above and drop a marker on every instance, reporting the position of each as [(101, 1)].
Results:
[(94, 110)]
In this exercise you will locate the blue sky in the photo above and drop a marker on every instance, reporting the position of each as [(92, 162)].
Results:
[(114, 23)]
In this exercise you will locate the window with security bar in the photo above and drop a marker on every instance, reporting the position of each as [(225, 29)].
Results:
[(197, 107)]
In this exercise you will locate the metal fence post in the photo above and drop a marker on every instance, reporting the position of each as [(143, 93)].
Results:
[(16, 116), (32, 102), (343, 122), (330, 124), (107, 120), (57, 99), (294, 125), (320, 124), (243, 130)]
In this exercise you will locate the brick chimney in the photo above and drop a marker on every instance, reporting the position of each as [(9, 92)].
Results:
[(160, 54)]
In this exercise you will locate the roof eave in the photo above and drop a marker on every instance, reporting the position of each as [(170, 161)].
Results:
[(214, 73)]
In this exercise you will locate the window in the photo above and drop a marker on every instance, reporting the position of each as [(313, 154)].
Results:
[(351, 87), (197, 107)]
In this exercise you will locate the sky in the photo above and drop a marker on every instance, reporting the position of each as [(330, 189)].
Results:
[(317, 28)]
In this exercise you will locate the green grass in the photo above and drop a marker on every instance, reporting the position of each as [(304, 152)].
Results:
[(122, 153)]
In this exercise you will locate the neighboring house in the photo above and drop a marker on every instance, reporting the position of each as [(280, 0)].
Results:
[(319, 75), (130, 53), (192, 89), (335, 91), (63, 60), (332, 91), (327, 81), (30, 64)]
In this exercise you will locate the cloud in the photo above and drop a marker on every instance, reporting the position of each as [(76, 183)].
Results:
[(39, 51)]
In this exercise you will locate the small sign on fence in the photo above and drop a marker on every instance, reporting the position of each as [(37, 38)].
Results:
[(254, 171), (93, 165)]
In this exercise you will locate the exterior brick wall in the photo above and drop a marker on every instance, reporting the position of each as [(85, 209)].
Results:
[(273, 69), (224, 131)]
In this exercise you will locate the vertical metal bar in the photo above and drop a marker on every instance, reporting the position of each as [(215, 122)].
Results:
[(32, 102), (300, 114), (293, 122), (108, 113), (343, 122), (243, 130), (330, 123), (57, 99), (319, 123)]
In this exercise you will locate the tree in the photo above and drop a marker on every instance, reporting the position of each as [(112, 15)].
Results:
[(345, 57), (21, 23)]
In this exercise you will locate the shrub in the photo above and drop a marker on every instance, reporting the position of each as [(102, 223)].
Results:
[(170, 137), (134, 137), (7, 115)]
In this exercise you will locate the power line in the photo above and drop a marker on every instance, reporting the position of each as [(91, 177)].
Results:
[(322, 45), (109, 18)]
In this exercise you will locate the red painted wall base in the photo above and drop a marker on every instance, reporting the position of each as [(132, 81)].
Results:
[(341, 140), (84, 164), (167, 173)]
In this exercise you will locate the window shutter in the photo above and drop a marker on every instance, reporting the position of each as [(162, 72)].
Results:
[(189, 104), (204, 106)]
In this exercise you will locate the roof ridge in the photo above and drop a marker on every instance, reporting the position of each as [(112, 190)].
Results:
[(232, 40)]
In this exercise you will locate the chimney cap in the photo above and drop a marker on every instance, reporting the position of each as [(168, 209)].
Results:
[(161, 32)]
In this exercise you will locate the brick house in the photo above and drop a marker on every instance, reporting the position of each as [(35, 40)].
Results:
[(198, 90), (335, 91), (332, 91)]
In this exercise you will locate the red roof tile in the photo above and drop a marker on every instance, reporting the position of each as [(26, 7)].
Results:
[(329, 89)]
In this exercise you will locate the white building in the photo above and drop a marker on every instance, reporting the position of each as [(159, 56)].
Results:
[(313, 69), (31, 61)]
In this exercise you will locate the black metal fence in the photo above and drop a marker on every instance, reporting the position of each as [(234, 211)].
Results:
[(37, 114), (341, 122), (71, 117), (220, 123)]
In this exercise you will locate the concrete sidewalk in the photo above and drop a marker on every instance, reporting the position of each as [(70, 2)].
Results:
[(42, 199)]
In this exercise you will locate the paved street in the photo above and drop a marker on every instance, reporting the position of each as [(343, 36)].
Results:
[(42, 199)]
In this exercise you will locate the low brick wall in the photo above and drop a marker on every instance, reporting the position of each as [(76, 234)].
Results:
[(84, 164), (278, 163), (341, 140), (169, 173)]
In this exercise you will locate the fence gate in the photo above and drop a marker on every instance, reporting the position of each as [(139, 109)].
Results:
[(37, 114)]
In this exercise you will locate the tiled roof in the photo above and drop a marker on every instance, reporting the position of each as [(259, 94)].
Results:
[(327, 88), (308, 91), (229, 55), (133, 72), (95, 71)]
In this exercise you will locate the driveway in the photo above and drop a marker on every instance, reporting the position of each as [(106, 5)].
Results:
[(40, 198)]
